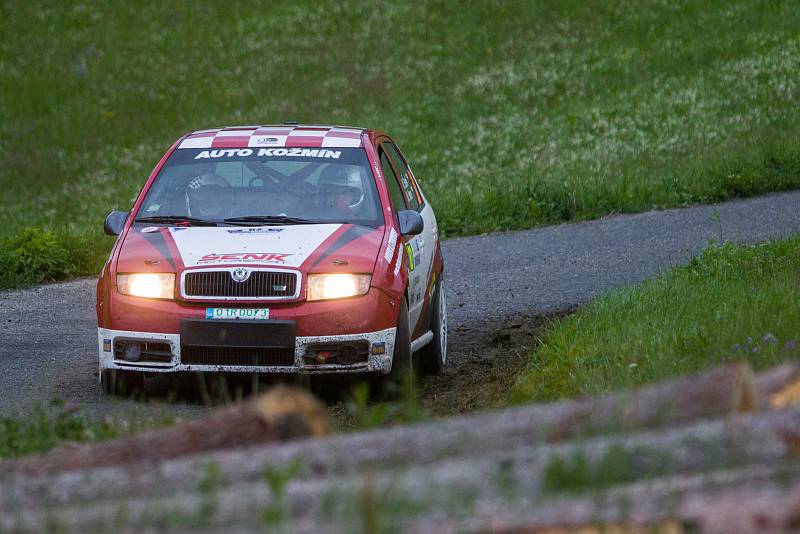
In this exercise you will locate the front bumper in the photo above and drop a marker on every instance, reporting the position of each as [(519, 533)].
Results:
[(376, 362)]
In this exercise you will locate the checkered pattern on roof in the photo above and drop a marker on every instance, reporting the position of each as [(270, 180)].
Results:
[(274, 136)]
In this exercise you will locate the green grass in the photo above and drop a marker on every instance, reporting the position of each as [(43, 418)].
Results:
[(59, 424), (730, 303), (618, 465), (514, 114)]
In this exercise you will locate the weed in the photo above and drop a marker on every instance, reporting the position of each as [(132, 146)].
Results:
[(60, 423), (277, 478), (617, 465), (366, 414), (208, 487)]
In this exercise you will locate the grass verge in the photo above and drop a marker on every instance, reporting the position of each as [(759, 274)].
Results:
[(513, 113), (59, 424), (732, 302)]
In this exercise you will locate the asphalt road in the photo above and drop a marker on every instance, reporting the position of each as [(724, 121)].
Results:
[(48, 348)]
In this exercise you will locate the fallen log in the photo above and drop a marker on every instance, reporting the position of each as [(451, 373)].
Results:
[(176, 487), (421, 443), (779, 387), (281, 414), (721, 391), (446, 454)]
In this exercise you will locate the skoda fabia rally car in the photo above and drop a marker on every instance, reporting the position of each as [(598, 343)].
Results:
[(273, 249)]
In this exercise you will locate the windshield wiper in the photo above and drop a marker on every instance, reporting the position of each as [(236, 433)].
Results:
[(170, 219), (268, 219)]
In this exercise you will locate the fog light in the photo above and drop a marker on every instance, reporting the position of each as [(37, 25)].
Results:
[(132, 352), (347, 355)]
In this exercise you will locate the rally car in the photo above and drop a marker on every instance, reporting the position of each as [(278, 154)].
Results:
[(273, 249)]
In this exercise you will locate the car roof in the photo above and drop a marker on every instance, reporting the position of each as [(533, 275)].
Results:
[(275, 135)]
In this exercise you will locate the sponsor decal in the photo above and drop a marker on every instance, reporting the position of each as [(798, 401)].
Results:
[(410, 254), (417, 247), (243, 257), (258, 230), (179, 228), (150, 229), (225, 153), (288, 152), (391, 244), (259, 140), (205, 246)]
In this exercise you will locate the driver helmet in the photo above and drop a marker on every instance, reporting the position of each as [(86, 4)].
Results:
[(205, 196), (340, 188)]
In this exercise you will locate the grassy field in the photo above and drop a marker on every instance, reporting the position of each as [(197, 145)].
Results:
[(513, 113), (730, 303)]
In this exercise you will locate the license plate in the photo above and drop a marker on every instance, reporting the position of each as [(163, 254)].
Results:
[(237, 313)]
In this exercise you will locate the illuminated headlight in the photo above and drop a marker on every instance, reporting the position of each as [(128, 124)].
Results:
[(337, 286), (149, 285)]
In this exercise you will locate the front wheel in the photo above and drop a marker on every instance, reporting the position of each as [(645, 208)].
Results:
[(400, 378), (433, 356)]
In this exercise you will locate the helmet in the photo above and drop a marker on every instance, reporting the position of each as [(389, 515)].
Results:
[(336, 180), (207, 195)]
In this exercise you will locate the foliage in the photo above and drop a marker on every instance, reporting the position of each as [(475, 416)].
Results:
[(365, 414), (33, 256), (733, 302), (512, 113), (617, 465), (58, 424)]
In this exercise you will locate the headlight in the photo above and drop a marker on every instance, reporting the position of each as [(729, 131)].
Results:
[(337, 286), (150, 285)]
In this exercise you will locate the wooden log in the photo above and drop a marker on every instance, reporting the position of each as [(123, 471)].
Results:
[(724, 390), (281, 414), (779, 387), (451, 505), (462, 452), (488, 476), (474, 435)]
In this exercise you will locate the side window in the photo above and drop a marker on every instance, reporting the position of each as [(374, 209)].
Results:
[(406, 183), (395, 194)]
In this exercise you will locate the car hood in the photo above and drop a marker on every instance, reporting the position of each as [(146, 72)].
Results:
[(307, 247)]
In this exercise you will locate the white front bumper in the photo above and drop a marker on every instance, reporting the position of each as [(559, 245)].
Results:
[(375, 362)]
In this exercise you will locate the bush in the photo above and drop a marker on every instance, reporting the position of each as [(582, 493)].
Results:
[(33, 256)]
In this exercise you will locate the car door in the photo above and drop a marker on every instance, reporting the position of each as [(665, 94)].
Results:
[(420, 248)]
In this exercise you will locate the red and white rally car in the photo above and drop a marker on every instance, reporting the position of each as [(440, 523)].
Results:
[(273, 249)]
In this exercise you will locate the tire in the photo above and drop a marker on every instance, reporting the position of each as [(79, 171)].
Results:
[(125, 383), (400, 378), (433, 356)]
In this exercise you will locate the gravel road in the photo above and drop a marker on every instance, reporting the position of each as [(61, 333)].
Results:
[(48, 332)]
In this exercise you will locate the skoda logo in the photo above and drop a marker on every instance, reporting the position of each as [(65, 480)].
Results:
[(240, 274)]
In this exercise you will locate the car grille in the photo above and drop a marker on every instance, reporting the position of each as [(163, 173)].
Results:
[(237, 356), (260, 284)]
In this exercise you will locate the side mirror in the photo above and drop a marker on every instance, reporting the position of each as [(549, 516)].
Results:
[(411, 222), (115, 222)]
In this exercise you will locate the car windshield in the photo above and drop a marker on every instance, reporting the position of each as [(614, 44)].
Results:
[(265, 186)]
